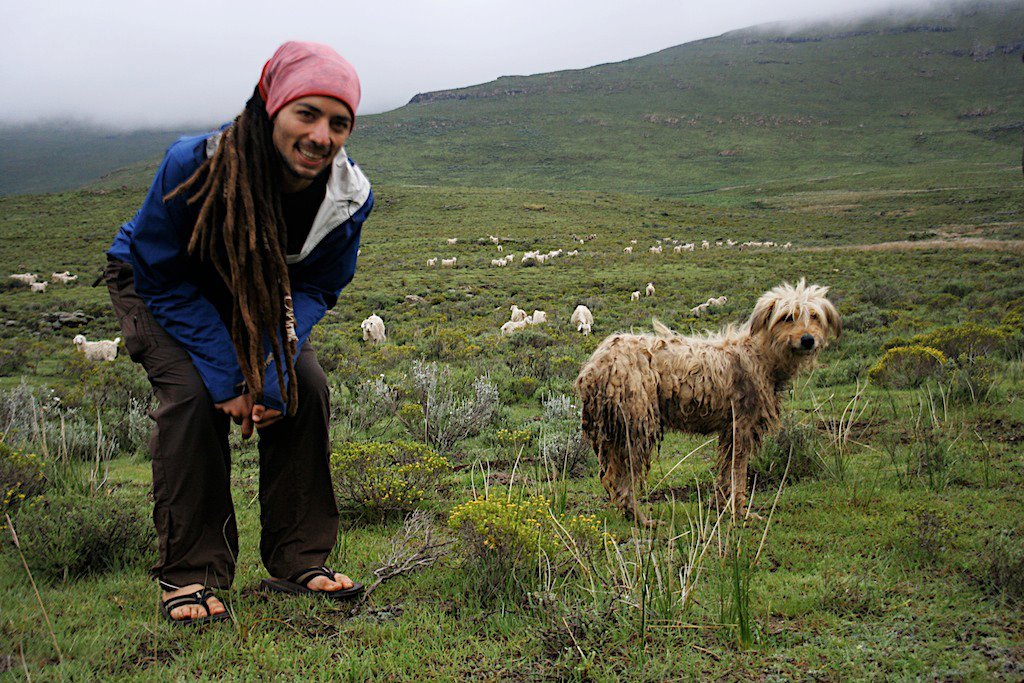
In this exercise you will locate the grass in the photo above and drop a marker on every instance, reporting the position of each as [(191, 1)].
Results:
[(871, 571)]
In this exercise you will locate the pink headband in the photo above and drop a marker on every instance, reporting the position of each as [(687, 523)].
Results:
[(300, 69)]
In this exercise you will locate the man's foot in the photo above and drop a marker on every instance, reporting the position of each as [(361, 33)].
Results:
[(322, 583), (189, 612)]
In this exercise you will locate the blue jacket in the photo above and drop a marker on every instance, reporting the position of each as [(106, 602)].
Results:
[(192, 303)]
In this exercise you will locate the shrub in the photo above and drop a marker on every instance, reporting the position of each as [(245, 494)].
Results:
[(444, 418), (21, 479), (520, 388), (71, 535), (387, 477), (101, 385), (904, 367), (796, 442), (502, 535), (966, 339)]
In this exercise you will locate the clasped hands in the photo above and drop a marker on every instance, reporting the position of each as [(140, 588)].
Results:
[(244, 412)]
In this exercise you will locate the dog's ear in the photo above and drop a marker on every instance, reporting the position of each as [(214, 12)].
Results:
[(835, 324), (761, 318)]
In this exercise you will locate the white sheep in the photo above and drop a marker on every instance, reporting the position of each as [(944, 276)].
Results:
[(65, 277), (704, 244), (39, 286), (689, 246), (495, 240), (518, 314), (103, 350), (453, 240), (632, 241), (538, 317), (655, 249), (449, 262), (500, 248), (24, 278), (627, 250), (574, 252), (698, 311), (716, 300), (498, 262), (513, 325), (583, 319), (678, 249), (635, 296), (650, 289), (431, 262), (373, 329)]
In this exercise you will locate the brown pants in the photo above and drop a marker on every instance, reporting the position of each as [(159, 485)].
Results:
[(193, 512)]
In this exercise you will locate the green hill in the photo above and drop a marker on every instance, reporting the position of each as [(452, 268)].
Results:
[(929, 96), (911, 101)]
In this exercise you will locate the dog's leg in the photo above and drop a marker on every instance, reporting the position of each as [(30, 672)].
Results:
[(734, 451), (621, 484), (724, 470)]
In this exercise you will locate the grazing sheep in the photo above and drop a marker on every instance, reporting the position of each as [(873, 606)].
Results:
[(704, 244), (574, 252), (431, 262), (717, 300), (731, 383), (699, 310), (24, 278), (627, 250), (500, 248), (513, 325), (655, 249), (635, 296), (518, 314), (65, 277), (498, 262), (632, 241), (678, 249), (650, 289), (538, 317), (495, 240), (39, 286), (689, 246), (449, 262), (583, 319), (102, 350), (373, 329), (453, 240)]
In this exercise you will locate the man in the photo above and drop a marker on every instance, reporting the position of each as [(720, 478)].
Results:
[(244, 241)]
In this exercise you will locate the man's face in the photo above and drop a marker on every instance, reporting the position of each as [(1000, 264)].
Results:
[(308, 133)]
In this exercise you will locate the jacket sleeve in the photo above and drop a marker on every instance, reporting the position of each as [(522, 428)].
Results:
[(316, 284), (161, 265)]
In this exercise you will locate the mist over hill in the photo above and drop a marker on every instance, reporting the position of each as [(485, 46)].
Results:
[(930, 91)]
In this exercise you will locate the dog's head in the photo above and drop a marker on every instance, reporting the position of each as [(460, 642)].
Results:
[(798, 318)]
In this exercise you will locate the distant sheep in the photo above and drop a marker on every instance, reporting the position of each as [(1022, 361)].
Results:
[(627, 250), (635, 296), (24, 278), (453, 240), (65, 277), (449, 262), (698, 311), (500, 262), (717, 300), (103, 350), (538, 317), (373, 330), (655, 249), (650, 289), (518, 314), (704, 244), (39, 286), (432, 261), (582, 319), (513, 325)]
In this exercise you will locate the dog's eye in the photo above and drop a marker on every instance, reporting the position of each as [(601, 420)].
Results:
[(814, 316), (788, 319)]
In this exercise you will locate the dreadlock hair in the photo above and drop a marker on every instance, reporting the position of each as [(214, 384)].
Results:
[(242, 232)]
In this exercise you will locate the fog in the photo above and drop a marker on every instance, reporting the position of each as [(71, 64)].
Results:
[(142, 63)]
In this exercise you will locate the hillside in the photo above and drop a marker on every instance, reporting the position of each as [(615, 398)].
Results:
[(925, 95), (909, 101)]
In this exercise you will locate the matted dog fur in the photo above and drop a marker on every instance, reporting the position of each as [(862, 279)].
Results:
[(729, 383)]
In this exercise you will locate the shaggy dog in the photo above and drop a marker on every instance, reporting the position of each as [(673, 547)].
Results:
[(729, 383)]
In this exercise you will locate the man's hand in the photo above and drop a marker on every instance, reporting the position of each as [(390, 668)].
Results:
[(263, 416), (240, 410)]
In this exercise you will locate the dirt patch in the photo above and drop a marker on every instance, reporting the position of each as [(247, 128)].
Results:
[(1002, 431), (678, 493), (965, 243)]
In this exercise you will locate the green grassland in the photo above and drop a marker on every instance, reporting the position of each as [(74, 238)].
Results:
[(869, 570)]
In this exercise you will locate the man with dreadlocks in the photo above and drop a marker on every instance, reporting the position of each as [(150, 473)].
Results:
[(244, 241)]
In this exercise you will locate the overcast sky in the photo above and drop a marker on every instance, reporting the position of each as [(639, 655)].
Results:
[(132, 63)]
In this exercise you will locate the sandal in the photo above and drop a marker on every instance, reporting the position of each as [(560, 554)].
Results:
[(200, 597), (296, 585)]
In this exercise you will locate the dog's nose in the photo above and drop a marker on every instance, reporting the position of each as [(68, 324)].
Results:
[(807, 341)]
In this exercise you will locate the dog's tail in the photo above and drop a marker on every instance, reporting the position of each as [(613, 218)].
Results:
[(661, 329)]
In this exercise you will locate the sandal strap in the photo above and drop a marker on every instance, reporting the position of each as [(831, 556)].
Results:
[(200, 597), (304, 576)]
